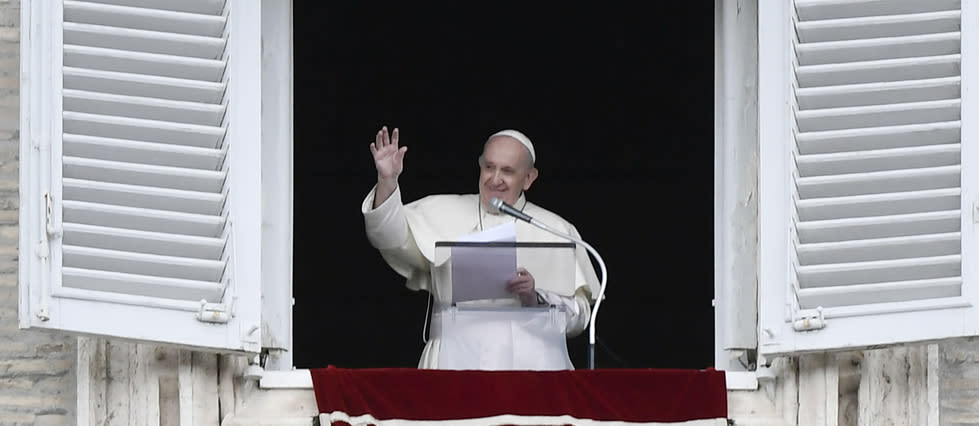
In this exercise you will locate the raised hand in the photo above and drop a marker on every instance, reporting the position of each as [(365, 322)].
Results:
[(388, 156), (389, 162)]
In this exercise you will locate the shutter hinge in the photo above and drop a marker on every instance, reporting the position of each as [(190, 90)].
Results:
[(213, 313), (809, 320), (43, 251), (43, 246), (48, 219)]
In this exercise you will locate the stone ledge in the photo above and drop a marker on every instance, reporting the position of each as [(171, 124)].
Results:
[(276, 407)]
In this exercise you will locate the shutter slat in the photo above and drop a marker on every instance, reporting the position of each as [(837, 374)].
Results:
[(142, 285), (878, 159), (900, 69), (809, 10), (879, 93), (878, 271), (173, 66), (862, 50), (211, 7), (879, 137), (143, 196), (161, 243), (143, 264), (861, 228), (151, 86), (108, 215), (145, 108), (135, 40), (883, 204), (880, 248), (879, 182), (878, 26), (878, 115), (888, 292), (142, 130), (144, 174), (211, 25), (130, 151)]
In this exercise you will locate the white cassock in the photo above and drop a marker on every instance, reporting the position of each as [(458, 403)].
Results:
[(405, 235)]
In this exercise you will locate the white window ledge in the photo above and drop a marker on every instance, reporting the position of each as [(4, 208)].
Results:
[(282, 398), (301, 379), (293, 379), (741, 380)]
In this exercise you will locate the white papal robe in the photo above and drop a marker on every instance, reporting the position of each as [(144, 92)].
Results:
[(405, 235)]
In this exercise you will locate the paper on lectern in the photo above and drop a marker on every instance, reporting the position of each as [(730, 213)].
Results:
[(482, 272)]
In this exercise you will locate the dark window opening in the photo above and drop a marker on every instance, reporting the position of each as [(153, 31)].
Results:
[(619, 103)]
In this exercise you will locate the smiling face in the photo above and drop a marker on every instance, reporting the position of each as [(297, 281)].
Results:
[(505, 170)]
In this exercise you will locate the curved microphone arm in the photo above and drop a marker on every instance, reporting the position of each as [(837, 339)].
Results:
[(601, 292), (500, 206)]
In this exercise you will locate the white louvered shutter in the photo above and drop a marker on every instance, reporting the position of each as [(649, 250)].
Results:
[(141, 210), (868, 172)]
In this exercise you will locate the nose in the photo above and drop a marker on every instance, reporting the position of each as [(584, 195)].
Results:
[(497, 178)]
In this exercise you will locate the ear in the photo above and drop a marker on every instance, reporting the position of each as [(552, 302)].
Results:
[(531, 177)]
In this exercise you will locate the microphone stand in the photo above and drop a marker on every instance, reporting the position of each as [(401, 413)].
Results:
[(601, 292)]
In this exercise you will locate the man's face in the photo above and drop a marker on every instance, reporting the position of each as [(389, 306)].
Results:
[(504, 170)]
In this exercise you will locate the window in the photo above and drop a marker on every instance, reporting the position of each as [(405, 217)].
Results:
[(141, 137), (868, 173)]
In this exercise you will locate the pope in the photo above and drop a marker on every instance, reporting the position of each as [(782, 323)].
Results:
[(405, 236)]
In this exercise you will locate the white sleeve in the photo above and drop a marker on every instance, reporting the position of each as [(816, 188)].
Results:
[(577, 310), (387, 230)]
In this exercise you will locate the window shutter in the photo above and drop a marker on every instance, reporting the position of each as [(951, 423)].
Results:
[(141, 214), (868, 218)]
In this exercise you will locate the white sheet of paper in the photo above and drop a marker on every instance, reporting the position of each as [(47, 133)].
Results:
[(482, 272)]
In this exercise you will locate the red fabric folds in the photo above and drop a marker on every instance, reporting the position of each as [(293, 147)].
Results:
[(636, 395)]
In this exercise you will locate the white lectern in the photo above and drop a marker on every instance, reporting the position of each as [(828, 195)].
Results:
[(479, 326)]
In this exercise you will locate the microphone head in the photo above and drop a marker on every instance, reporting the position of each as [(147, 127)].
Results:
[(496, 204)]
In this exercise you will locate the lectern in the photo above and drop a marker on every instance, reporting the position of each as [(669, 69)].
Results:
[(479, 325)]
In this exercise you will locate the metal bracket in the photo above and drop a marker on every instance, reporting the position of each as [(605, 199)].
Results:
[(213, 313), (809, 320)]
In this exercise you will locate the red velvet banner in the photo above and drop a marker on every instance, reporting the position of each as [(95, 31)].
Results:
[(635, 395)]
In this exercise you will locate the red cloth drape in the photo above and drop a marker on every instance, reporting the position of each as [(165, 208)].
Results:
[(637, 395)]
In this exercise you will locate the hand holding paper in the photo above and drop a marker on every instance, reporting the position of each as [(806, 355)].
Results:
[(523, 286)]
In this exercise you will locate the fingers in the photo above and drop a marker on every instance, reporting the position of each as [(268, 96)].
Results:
[(383, 140), (520, 287)]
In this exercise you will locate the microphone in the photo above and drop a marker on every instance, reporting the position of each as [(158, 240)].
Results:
[(502, 207), (498, 205)]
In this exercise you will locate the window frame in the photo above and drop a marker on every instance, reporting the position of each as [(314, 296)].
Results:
[(41, 105), (859, 327)]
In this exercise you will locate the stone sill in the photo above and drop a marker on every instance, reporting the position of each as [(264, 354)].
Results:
[(293, 379), (281, 398)]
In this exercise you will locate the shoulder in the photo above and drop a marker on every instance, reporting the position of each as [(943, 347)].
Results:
[(443, 201)]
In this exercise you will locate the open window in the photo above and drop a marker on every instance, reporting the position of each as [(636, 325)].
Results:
[(868, 175), (141, 129)]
